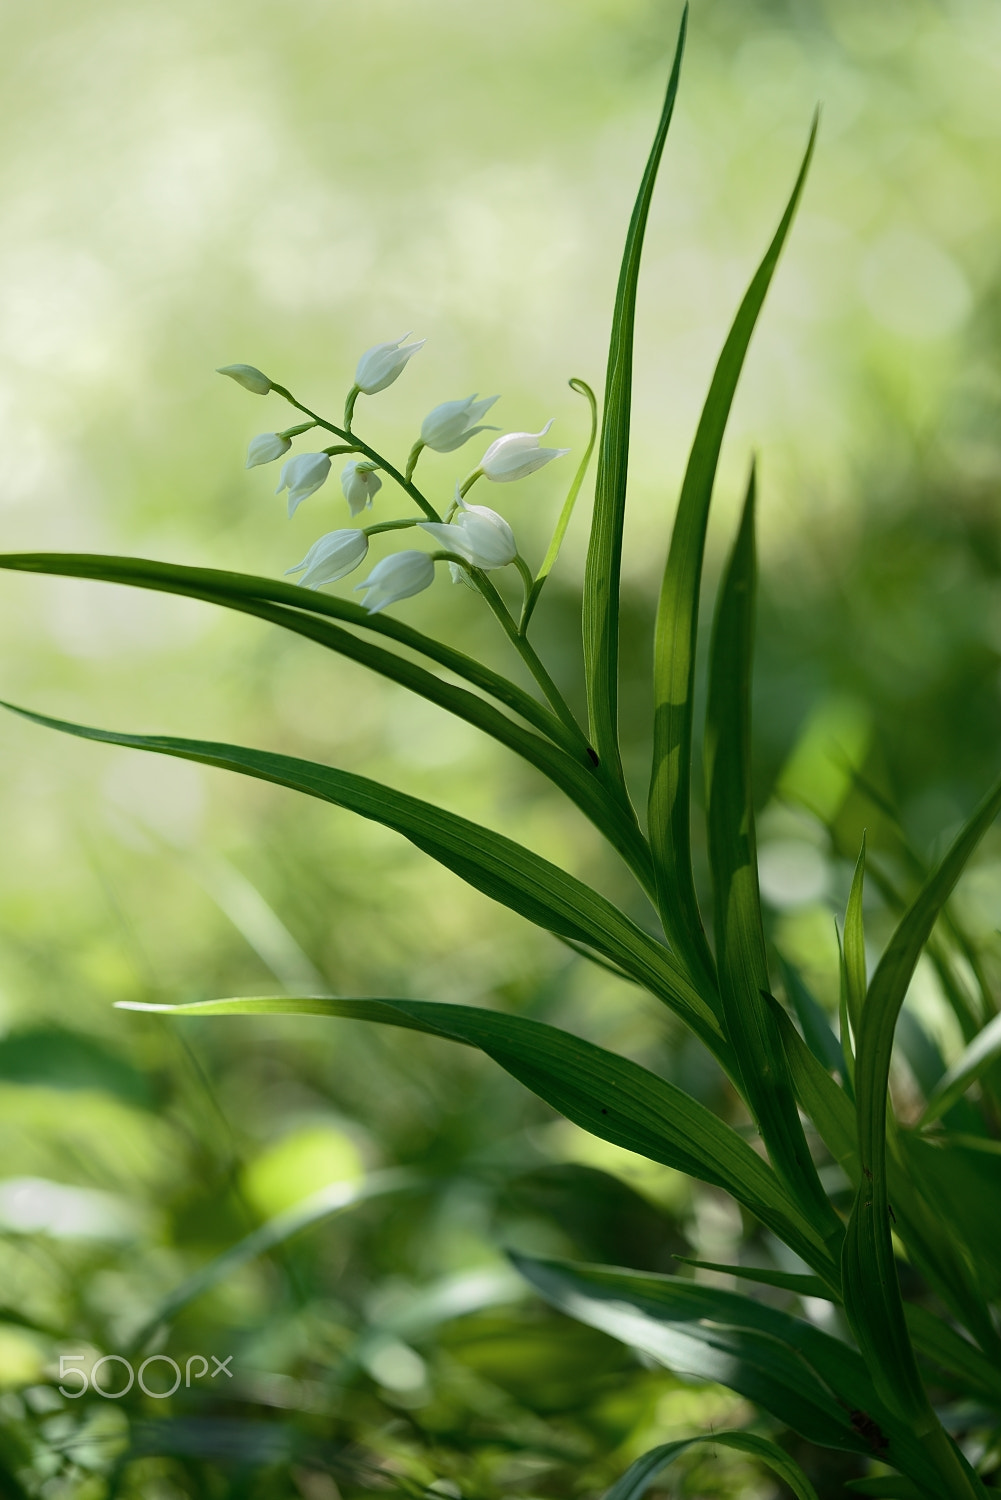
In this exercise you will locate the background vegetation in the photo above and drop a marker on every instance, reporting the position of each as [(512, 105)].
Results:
[(286, 185)]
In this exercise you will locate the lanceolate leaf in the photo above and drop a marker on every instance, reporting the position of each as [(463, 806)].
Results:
[(608, 1095), (570, 770), (854, 946), (740, 938), (981, 1054), (601, 577), (315, 1209), (872, 1293), (246, 591), (787, 1281), (814, 1383), (640, 1475), (677, 620), (501, 868)]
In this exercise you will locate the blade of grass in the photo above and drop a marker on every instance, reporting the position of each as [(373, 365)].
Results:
[(600, 618), (981, 1054), (677, 624), (501, 868), (854, 945), (319, 1206), (872, 1292), (641, 1474), (813, 1382), (610, 1096), (553, 552), (740, 937)]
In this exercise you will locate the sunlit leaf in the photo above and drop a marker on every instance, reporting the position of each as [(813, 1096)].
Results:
[(610, 1096), (600, 618), (677, 624)]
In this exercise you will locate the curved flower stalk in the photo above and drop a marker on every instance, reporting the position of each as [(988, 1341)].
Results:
[(870, 1400)]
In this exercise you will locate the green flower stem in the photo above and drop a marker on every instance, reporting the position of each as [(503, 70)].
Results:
[(349, 403), (340, 448), (527, 654), (415, 454), (358, 446), (291, 432), (529, 582), (391, 526), (469, 481)]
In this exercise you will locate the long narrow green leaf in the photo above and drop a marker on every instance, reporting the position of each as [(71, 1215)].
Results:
[(740, 937), (814, 1383), (221, 587), (318, 1207), (872, 1292), (570, 770), (677, 623), (553, 550), (929, 1242), (938, 1341), (501, 868), (608, 1095), (854, 945), (600, 618), (982, 1053), (640, 1475), (786, 1281), (817, 1030)]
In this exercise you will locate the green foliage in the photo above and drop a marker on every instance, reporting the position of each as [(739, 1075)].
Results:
[(868, 1203)]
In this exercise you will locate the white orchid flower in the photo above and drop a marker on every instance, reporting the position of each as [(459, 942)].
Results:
[(265, 448), (360, 482), (380, 365), (518, 454), (301, 476), (397, 577), (330, 558), (453, 423)]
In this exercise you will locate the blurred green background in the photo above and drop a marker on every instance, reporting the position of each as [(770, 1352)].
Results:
[(185, 186)]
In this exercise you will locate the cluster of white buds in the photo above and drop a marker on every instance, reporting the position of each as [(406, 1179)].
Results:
[(471, 536)]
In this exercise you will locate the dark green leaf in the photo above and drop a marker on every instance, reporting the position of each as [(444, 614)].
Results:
[(733, 860), (872, 1292), (677, 623), (601, 578), (787, 1281), (854, 945), (814, 1383), (640, 1475), (496, 865), (608, 1095), (982, 1053)]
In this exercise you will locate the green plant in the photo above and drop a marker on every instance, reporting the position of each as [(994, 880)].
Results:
[(871, 1399)]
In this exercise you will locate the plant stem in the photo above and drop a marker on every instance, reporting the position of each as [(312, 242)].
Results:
[(362, 447)]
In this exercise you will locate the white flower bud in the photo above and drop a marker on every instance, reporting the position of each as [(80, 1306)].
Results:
[(334, 555), (453, 423), (380, 365), (301, 476), (517, 454), (478, 534), (359, 483), (246, 375), (265, 448), (397, 577)]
